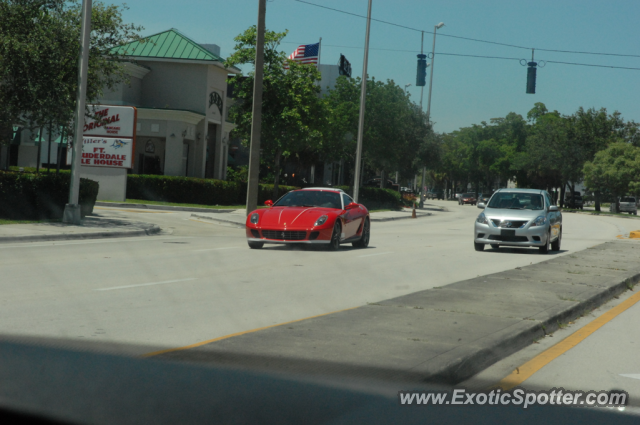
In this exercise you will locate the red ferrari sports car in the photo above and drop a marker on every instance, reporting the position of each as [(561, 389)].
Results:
[(314, 216)]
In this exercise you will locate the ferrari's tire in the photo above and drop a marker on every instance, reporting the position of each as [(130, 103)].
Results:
[(555, 245), (255, 245), (495, 246), (478, 246), (366, 234), (334, 243)]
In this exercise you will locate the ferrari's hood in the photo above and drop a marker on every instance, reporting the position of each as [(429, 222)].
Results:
[(280, 217)]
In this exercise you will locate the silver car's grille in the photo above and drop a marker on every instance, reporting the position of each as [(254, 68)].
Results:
[(286, 235), (509, 224)]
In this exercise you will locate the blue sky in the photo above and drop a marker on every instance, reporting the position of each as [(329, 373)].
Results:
[(465, 90)]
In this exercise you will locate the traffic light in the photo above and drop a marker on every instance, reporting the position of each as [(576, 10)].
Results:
[(531, 78), (421, 76)]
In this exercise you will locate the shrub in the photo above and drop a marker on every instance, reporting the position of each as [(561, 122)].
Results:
[(375, 198), (190, 190), (28, 196)]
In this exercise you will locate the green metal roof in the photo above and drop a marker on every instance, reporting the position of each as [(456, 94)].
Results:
[(169, 44)]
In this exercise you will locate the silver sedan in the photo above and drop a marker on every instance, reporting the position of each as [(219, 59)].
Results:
[(519, 217)]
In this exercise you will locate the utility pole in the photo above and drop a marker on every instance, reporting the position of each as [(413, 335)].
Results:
[(433, 55), (256, 122), (363, 96), (72, 211), (424, 169)]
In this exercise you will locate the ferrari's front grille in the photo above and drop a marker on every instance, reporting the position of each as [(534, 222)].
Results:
[(285, 235)]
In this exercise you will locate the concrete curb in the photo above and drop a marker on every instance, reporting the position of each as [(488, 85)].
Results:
[(602, 214), (241, 225), (418, 215), (162, 207), (507, 344), (220, 220), (154, 230)]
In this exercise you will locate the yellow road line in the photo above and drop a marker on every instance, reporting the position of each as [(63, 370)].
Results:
[(134, 211), (525, 371), (199, 344)]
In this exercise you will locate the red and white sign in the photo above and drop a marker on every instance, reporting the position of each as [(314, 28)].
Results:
[(109, 140), (112, 121), (107, 152)]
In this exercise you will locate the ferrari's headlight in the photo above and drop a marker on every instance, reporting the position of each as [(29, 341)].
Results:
[(321, 220), (539, 221), (254, 218), (482, 219)]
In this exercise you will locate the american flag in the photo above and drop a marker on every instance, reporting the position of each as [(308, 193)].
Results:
[(307, 54)]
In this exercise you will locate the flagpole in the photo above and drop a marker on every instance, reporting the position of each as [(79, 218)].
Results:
[(319, 49)]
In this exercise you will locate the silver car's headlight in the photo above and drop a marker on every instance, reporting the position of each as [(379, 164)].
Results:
[(254, 218), (321, 220), (539, 221), (482, 219)]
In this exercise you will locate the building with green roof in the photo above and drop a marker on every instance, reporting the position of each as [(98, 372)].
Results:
[(180, 90)]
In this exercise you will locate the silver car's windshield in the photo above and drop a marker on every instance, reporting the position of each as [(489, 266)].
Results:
[(310, 198), (517, 201)]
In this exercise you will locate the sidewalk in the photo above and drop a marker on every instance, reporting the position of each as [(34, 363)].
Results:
[(92, 228), (238, 217), (439, 335), (232, 216)]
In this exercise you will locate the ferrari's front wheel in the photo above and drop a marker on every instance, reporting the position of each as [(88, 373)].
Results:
[(334, 243), (255, 245), (364, 239)]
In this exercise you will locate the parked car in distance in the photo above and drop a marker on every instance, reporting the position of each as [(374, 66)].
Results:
[(376, 183), (627, 204), (484, 197), (575, 202), (435, 194), (467, 198), (519, 218)]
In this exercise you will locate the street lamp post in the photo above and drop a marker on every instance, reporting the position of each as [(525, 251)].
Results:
[(433, 56), (405, 87)]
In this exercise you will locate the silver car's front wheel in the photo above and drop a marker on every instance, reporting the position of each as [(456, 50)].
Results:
[(545, 249)]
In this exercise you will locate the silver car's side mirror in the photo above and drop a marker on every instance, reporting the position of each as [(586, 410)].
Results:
[(553, 208), (481, 205)]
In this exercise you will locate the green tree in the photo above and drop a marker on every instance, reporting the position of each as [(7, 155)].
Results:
[(396, 134), (39, 48), (615, 170), (292, 112)]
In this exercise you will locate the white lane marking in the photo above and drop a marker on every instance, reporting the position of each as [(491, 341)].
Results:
[(371, 255), (91, 241), (145, 284), (631, 375), (214, 249)]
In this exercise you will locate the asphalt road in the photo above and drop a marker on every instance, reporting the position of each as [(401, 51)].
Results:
[(201, 281)]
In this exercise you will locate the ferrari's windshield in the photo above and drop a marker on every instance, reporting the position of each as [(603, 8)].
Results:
[(517, 201), (310, 198)]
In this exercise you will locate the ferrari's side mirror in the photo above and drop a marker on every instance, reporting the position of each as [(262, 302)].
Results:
[(269, 203), (352, 205)]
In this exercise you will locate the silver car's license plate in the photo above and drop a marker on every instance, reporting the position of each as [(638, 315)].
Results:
[(505, 232)]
